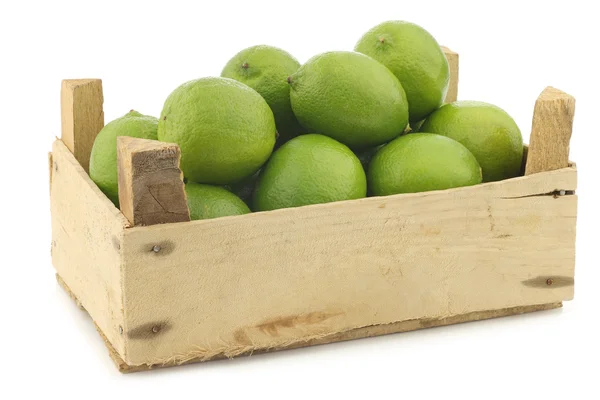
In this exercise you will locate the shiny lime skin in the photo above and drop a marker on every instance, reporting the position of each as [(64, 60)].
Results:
[(486, 130), (309, 169), (207, 201), (225, 129), (266, 69), (420, 162), (349, 97), (415, 58)]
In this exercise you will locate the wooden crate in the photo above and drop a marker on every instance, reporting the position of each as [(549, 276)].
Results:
[(181, 292)]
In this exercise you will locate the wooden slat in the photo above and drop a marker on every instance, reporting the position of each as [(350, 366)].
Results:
[(82, 116), (550, 132), (359, 333), (151, 189), (452, 58), (279, 278), (86, 241)]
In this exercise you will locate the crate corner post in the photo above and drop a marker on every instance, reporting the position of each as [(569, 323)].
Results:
[(151, 188), (452, 57), (551, 131), (82, 116)]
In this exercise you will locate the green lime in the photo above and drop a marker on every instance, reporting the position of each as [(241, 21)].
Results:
[(420, 162), (486, 130), (265, 69), (417, 60), (207, 201), (225, 129), (309, 169), (349, 97), (103, 158)]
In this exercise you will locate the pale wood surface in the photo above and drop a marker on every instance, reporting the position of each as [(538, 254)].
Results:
[(82, 116), (233, 285), (151, 189), (359, 333), (86, 240), (50, 168), (452, 58), (550, 132)]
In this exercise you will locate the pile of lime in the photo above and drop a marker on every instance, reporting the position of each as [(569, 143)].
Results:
[(273, 133)]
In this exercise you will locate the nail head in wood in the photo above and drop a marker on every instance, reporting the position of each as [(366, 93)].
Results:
[(549, 281), (151, 189), (156, 248), (551, 131)]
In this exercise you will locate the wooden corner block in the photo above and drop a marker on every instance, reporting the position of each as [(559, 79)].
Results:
[(82, 116), (550, 131), (151, 189), (452, 58)]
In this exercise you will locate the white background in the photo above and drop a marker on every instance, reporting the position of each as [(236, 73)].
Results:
[(509, 51)]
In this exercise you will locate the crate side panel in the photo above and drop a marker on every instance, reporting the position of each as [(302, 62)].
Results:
[(269, 280), (87, 231), (358, 333)]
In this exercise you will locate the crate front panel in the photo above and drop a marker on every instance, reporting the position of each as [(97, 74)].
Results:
[(267, 280)]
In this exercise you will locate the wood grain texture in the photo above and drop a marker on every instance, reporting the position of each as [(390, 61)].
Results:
[(151, 189), (86, 240), (82, 116), (232, 285), (359, 333), (452, 57), (550, 132)]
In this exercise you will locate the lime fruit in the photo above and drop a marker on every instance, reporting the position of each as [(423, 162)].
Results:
[(417, 60), (349, 97), (309, 169), (486, 130), (265, 69), (103, 158), (420, 162), (224, 128), (207, 201)]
